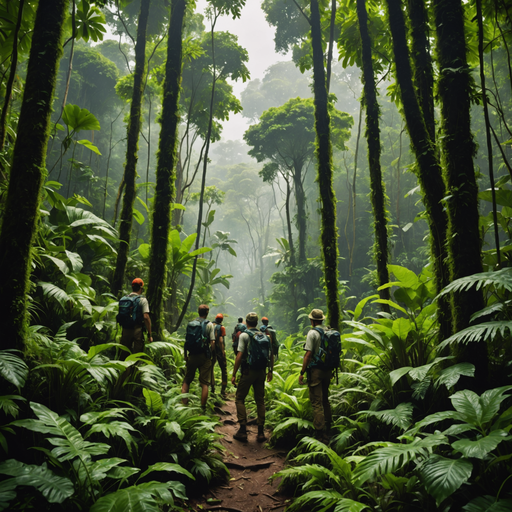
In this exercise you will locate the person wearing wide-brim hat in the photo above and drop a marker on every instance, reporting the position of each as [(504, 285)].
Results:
[(318, 379)]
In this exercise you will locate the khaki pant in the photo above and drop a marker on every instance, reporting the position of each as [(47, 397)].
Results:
[(133, 339), (221, 360), (256, 379), (318, 384), (199, 362)]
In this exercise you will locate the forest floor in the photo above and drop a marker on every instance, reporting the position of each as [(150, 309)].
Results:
[(250, 465)]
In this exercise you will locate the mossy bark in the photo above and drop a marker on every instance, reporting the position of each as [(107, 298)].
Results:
[(378, 195), (166, 164), (458, 150), (132, 146), (428, 168), (28, 169), (300, 201), (423, 74), (329, 231)]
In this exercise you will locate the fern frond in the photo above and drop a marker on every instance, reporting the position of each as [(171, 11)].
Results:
[(400, 417), (501, 279), (316, 500), (478, 332)]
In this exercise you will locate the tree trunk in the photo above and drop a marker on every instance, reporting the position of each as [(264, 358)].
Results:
[(166, 162), (429, 170), (300, 200), (329, 234), (423, 75), (130, 170), (458, 149), (26, 177), (374, 150), (289, 223)]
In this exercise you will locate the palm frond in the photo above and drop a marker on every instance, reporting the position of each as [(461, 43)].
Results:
[(478, 332), (400, 417), (12, 368), (501, 279)]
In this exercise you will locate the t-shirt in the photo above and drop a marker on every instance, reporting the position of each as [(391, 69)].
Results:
[(313, 340), (143, 302), (243, 340)]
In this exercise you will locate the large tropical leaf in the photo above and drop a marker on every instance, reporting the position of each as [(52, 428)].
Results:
[(347, 505), (488, 504), (451, 375), (442, 476), (12, 368), (153, 400), (9, 406), (390, 458), (316, 500), (400, 417), (54, 488), (78, 119), (169, 467), (482, 446), (120, 429), (499, 279), (478, 332)]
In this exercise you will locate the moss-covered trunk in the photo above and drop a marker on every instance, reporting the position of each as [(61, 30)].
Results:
[(423, 74), (166, 162), (132, 146), (428, 168), (458, 149), (27, 170), (329, 235), (300, 201), (289, 223), (374, 149)]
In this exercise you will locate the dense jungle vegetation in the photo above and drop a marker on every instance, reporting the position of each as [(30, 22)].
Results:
[(374, 183)]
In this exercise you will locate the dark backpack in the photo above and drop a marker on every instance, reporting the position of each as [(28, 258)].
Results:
[(329, 352), (267, 329), (239, 329), (130, 311), (258, 350), (196, 341)]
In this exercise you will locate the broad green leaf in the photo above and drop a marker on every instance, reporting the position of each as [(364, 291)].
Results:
[(491, 401), (442, 476), (481, 447), (138, 216), (75, 260), (55, 489), (347, 505), (144, 250), (168, 467), (173, 427), (467, 403), (61, 265), (391, 304), (9, 406), (488, 504), (451, 375), (407, 278), (153, 400), (397, 374), (12, 368), (420, 372), (78, 119), (402, 327), (361, 304), (400, 417), (89, 145)]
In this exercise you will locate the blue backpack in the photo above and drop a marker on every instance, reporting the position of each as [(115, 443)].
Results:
[(267, 329), (239, 329), (196, 341), (130, 312), (328, 356), (258, 351)]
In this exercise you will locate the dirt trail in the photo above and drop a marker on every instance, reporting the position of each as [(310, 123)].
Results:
[(250, 465)]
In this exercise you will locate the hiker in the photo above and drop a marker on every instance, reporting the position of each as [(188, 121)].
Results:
[(256, 361), (220, 354), (239, 328), (133, 317), (198, 350), (271, 333), (318, 378)]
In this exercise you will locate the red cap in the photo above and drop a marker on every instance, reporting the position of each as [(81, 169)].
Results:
[(264, 318), (138, 281), (220, 317)]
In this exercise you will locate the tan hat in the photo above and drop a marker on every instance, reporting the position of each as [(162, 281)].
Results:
[(317, 315), (251, 318)]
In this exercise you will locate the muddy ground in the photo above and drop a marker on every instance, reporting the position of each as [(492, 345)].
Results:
[(250, 464)]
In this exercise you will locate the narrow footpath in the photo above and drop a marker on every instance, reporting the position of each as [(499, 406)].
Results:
[(250, 464)]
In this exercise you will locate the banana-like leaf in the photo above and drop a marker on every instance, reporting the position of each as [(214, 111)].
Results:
[(481, 447), (488, 504), (442, 476), (400, 417), (55, 489), (12, 368)]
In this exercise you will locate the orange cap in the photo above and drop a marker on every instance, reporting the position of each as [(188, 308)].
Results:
[(264, 318), (220, 317), (138, 281)]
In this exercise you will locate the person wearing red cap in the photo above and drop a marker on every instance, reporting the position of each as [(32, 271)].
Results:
[(220, 354), (133, 339)]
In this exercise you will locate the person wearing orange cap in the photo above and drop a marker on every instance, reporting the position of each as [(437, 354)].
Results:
[(220, 354), (133, 337)]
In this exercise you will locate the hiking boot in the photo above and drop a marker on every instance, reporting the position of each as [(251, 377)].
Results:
[(261, 434), (241, 435), (223, 392)]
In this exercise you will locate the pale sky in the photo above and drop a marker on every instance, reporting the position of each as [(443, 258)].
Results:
[(257, 37)]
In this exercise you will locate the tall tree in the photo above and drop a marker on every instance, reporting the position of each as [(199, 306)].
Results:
[(166, 163), (458, 149), (130, 169), (27, 171), (428, 168), (374, 151)]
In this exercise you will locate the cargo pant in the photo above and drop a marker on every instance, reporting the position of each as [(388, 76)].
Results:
[(133, 339), (256, 379), (219, 358), (318, 384)]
